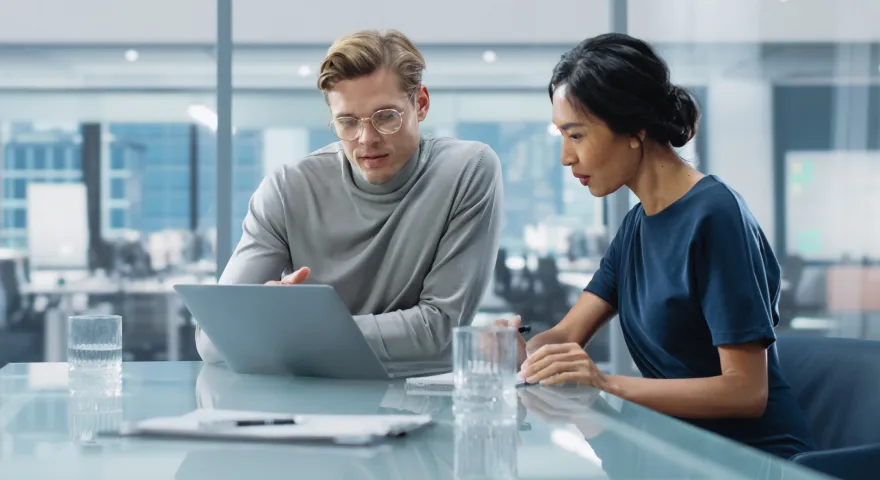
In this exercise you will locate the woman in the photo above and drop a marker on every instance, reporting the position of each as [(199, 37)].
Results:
[(690, 273)]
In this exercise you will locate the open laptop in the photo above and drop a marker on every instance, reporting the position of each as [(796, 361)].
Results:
[(302, 330)]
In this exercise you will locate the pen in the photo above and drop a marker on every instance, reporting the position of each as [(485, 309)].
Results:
[(525, 329), (249, 423)]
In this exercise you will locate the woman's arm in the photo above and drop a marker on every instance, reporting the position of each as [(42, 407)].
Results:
[(740, 391), (580, 324)]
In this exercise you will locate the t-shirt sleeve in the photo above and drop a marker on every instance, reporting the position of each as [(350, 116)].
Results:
[(733, 282), (604, 281)]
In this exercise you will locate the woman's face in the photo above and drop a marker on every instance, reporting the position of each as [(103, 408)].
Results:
[(602, 160)]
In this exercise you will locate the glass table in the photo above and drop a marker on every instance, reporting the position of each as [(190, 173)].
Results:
[(559, 433)]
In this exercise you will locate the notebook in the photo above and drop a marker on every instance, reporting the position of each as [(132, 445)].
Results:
[(221, 425)]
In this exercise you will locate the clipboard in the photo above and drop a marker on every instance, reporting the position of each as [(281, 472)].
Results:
[(212, 424)]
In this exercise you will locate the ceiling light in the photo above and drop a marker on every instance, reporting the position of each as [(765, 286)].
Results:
[(203, 115), (489, 56), (305, 71), (131, 55)]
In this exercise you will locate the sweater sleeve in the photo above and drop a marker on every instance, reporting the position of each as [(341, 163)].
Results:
[(262, 254), (458, 278)]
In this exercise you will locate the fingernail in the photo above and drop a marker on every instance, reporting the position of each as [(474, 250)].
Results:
[(531, 379)]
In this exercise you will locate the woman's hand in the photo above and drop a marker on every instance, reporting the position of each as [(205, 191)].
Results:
[(520, 341), (563, 363)]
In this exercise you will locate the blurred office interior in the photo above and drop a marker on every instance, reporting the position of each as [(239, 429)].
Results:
[(109, 119)]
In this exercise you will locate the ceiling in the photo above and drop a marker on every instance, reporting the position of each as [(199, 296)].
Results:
[(30, 68), (275, 86)]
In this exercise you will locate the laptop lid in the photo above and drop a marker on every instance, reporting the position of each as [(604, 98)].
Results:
[(303, 330)]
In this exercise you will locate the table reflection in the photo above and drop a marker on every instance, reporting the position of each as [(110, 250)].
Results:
[(92, 409), (626, 442)]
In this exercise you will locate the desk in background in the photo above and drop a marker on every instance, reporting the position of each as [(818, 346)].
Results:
[(853, 299)]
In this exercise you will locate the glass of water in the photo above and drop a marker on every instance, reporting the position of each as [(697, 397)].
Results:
[(94, 353), (484, 370)]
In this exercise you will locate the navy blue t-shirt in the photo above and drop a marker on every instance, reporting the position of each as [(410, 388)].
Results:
[(695, 276)]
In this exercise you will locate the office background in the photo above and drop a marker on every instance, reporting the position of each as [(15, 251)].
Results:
[(113, 186)]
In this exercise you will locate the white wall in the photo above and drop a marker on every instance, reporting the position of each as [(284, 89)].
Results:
[(755, 20), (739, 125), (283, 21), (447, 21)]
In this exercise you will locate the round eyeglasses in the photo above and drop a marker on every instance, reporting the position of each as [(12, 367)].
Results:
[(386, 121)]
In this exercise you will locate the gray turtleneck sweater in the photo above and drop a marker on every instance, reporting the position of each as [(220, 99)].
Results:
[(411, 258)]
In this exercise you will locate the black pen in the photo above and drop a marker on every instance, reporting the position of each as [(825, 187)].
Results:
[(249, 423)]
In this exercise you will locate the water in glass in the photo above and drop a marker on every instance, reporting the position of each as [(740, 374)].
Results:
[(94, 353), (484, 370)]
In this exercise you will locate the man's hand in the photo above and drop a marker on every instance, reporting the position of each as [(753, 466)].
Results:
[(294, 278), (520, 341)]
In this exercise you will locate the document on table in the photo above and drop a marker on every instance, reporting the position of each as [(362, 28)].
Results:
[(442, 380), (264, 426)]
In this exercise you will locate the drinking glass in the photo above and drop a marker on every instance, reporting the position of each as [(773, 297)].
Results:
[(94, 353), (484, 370)]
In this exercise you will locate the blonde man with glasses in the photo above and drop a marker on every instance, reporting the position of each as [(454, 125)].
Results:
[(403, 225)]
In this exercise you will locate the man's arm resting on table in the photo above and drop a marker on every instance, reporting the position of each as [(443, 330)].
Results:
[(740, 391), (414, 333)]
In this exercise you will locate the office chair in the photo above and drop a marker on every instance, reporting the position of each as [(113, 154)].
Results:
[(836, 382)]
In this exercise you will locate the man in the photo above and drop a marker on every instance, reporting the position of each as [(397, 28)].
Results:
[(405, 227)]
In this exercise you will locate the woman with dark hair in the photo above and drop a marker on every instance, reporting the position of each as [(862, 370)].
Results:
[(690, 273)]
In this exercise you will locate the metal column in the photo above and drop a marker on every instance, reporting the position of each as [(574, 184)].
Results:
[(90, 154), (224, 134), (194, 191), (616, 206)]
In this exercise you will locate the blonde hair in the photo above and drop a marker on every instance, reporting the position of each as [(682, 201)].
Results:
[(363, 53)]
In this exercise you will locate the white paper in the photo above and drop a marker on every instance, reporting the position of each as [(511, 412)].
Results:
[(445, 379), (340, 428)]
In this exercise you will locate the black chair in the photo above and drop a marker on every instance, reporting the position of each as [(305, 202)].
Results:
[(837, 384)]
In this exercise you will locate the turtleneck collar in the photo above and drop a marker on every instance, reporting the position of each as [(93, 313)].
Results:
[(396, 186)]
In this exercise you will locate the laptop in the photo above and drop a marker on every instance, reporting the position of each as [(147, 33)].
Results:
[(302, 330)]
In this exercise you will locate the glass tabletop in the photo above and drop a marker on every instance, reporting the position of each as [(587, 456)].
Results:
[(560, 432)]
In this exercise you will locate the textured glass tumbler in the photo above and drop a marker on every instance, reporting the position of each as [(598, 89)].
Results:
[(484, 370), (94, 353)]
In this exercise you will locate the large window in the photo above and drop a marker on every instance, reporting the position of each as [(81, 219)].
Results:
[(792, 126), (128, 128), (103, 133)]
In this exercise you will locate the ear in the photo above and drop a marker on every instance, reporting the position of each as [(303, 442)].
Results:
[(637, 140), (423, 103)]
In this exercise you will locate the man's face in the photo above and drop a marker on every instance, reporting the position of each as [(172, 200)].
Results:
[(378, 123)]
